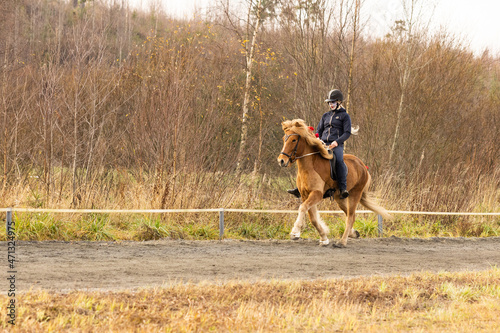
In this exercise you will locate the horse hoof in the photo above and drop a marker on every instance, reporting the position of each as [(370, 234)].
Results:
[(356, 234), (338, 245), (295, 236), (324, 243)]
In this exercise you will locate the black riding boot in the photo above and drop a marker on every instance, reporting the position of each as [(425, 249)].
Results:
[(294, 192), (343, 194)]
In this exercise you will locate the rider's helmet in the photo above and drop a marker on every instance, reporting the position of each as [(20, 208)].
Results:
[(334, 95)]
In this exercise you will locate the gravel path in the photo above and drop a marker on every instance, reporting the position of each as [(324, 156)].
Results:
[(64, 266)]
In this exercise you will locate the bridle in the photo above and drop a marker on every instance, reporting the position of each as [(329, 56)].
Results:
[(292, 157)]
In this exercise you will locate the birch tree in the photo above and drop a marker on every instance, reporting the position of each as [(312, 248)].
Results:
[(253, 26)]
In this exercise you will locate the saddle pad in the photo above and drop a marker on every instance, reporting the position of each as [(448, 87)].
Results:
[(333, 172)]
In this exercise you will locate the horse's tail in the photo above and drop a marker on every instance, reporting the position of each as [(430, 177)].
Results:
[(368, 201), (355, 130)]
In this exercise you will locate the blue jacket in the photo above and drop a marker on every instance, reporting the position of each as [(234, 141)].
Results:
[(335, 126)]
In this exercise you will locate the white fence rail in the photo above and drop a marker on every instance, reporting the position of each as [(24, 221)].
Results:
[(9, 213)]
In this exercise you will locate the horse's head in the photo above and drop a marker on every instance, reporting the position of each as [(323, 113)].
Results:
[(291, 144), (299, 141)]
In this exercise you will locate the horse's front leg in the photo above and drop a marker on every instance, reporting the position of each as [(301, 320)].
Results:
[(298, 225), (318, 223), (313, 199)]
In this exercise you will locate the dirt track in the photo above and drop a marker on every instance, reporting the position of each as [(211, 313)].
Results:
[(127, 265)]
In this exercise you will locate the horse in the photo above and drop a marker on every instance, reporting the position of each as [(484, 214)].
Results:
[(313, 180)]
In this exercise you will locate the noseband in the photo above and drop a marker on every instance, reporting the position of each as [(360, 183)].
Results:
[(292, 157)]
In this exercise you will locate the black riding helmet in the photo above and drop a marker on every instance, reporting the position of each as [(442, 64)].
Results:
[(334, 95)]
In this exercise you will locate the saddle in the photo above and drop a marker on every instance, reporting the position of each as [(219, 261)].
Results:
[(333, 174)]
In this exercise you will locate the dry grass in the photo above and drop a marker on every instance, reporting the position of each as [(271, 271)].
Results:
[(211, 190), (453, 191), (460, 302)]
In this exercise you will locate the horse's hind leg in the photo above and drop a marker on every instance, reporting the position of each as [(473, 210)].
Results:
[(343, 205), (349, 209), (319, 225)]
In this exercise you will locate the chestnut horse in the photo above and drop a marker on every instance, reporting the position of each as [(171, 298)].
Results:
[(313, 179)]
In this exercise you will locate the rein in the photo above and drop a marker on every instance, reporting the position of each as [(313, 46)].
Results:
[(292, 157), (316, 152)]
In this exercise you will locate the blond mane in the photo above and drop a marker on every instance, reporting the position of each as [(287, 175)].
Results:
[(299, 126)]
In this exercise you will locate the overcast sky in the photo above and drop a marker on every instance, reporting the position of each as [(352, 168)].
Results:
[(475, 22)]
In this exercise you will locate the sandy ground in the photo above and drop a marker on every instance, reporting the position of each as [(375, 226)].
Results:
[(65, 266)]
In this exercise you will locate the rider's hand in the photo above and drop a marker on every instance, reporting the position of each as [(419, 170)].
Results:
[(333, 145)]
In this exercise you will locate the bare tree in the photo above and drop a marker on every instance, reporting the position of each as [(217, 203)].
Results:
[(355, 31), (50, 86), (253, 27), (306, 29), (407, 57)]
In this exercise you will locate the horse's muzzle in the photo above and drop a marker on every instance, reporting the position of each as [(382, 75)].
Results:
[(283, 163)]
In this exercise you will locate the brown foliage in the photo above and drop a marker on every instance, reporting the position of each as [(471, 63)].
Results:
[(93, 95)]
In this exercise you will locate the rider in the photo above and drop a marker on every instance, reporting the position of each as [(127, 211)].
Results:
[(334, 128)]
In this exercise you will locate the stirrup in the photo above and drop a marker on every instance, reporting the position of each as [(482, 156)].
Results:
[(344, 194)]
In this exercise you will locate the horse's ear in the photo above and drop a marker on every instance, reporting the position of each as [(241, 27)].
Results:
[(298, 122)]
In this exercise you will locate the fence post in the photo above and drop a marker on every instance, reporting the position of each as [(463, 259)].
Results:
[(221, 223), (8, 221), (380, 226)]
